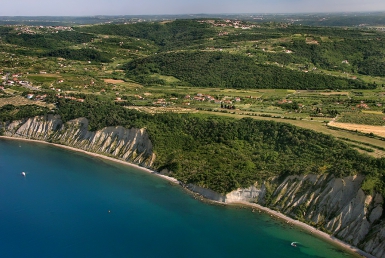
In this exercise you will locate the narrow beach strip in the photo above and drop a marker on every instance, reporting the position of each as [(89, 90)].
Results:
[(306, 227), (120, 161)]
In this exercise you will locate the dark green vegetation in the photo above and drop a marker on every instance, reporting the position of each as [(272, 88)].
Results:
[(363, 54), (11, 112), (363, 118), (331, 72), (351, 51), (167, 36), (79, 54), (47, 40), (224, 70), (217, 53), (49, 44), (223, 153)]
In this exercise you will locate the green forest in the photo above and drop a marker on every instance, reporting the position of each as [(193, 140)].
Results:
[(223, 70), (272, 70), (224, 153)]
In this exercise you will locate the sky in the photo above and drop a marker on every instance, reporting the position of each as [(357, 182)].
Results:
[(151, 7)]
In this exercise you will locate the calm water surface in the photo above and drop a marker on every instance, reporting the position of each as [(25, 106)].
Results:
[(74, 205)]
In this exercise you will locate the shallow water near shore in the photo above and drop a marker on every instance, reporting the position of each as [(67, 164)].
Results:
[(70, 204)]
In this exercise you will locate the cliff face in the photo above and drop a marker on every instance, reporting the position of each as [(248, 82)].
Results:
[(132, 145), (336, 205)]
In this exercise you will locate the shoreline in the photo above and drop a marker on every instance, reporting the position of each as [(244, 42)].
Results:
[(299, 224), (320, 234), (123, 162)]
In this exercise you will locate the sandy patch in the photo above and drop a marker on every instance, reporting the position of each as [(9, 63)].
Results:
[(113, 81), (334, 93), (377, 130), (154, 110)]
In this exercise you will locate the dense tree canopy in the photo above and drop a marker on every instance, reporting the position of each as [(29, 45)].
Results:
[(223, 153), (84, 54), (224, 70), (48, 41), (169, 35)]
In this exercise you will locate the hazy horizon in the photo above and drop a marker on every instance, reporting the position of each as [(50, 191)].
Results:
[(174, 7)]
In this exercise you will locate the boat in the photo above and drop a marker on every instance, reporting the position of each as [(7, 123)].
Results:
[(23, 173), (294, 244)]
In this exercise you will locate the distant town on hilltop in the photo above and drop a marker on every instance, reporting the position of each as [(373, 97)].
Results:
[(311, 19)]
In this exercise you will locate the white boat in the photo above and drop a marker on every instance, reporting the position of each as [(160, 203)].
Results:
[(23, 173), (294, 244)]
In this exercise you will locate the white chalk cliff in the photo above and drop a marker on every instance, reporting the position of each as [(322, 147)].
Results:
[(132, 145), (336, 205)]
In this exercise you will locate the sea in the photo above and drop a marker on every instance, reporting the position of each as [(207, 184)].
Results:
[(71, 204)]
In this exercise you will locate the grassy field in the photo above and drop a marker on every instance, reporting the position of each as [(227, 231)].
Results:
[(311, 109), (19, 101), (40, 78)]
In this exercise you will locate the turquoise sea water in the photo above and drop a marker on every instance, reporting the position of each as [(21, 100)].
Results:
[(74, 205)]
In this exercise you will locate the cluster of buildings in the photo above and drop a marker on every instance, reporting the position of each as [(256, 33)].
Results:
[(199, 97), (37, 97), (69, 97), (205, 97), (362, 105), (14, 79), (41, 29), (229, 23)]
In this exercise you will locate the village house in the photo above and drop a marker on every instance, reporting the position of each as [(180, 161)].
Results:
[(40, 97), (161, 102), (209, 98), (199, 98), (362, 105), (284, 101)]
